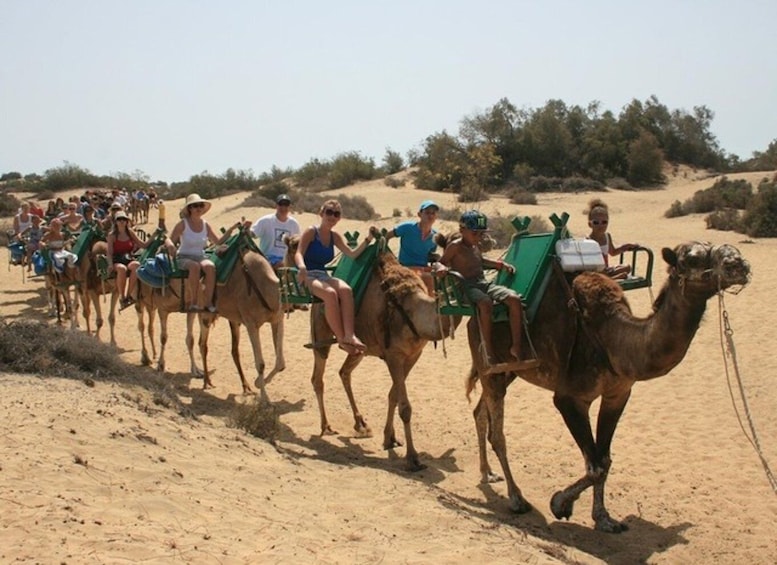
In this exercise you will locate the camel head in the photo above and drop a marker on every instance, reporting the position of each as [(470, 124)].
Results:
[(292, 243), (704, 267)]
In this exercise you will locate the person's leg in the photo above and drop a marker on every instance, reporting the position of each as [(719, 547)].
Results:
[(209, 269), (133, 278), (328, 295), (121, 279), (485, 309), (515, 308), (347, 312)]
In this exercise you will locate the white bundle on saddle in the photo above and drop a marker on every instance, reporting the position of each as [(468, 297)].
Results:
[(579, 255)]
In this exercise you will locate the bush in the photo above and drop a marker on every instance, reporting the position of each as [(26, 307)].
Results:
[(258, 418), (394, 182), (724, 220), (760, 219), (349, 168), (9, 204), (521, 196), (675, 210)]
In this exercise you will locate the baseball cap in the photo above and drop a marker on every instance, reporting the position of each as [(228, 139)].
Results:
[(474, 220), (427, 204), (283, 199)]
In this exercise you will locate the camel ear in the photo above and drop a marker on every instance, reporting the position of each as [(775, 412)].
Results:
[(669, 256)]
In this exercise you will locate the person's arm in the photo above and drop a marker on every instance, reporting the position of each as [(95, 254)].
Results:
[(299, 256), (109, 255), (137, 242), (445, 262), (622, 249), (499, 265), (353, 253)]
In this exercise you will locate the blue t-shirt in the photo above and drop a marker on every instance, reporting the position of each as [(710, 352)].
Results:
[(317, 255), (413, 250)]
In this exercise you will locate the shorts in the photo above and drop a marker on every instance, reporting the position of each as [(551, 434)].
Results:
[(482, 289), (123, 259), (185, 261), (317, 275)]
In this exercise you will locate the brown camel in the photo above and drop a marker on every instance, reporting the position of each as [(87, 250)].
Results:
[(93, 287), (600, 350), (164, 301), (396, 319), (251, 296)]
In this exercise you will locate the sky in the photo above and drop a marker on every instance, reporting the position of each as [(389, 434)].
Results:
[(167, 89)]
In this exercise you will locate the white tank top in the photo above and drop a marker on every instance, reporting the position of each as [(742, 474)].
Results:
[(22, 224), (192, 242)]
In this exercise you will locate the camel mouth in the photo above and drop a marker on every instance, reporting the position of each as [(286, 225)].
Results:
[(729, 267)]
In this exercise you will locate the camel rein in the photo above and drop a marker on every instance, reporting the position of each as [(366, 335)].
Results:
[(729, 351)]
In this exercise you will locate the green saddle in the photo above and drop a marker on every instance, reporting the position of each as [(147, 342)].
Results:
[(225, 262)]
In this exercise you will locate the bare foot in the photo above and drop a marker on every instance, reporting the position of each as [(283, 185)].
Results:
[(356, 342), (349, 348)]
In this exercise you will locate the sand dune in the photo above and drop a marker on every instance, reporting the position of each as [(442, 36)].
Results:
[(102, 475)]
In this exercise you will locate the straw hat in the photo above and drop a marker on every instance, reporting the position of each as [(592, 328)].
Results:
[(121, 216), (194, 199)]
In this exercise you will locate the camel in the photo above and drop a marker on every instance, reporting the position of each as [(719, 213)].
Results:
[(93, 287), (139, 210), (396, 319), (598, 350), (164, 301), (251, 296)]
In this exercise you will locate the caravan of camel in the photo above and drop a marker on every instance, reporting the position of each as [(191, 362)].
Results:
[(588, 342)]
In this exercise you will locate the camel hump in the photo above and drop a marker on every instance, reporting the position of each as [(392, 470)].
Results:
[(597, 295)]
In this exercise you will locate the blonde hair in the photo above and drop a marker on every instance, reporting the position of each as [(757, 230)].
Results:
[(597, 205)]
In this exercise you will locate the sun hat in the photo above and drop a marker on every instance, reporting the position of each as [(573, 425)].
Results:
[(194, 199), (115, 206), (283, 199), (121, 216), (474, 220), (428, 204)]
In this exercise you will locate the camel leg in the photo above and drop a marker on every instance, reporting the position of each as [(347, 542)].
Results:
[(597, 457), (480, 413), (195, 371), (256, 348), (162, 340), (204, 335), (399, 370), (112, 317), (494, 391), (140, 309), (359, 423), (390, 440), (86, 300), (317, 380), (277, 341)]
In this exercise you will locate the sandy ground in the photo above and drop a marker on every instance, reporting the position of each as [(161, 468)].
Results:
[(100, 475)]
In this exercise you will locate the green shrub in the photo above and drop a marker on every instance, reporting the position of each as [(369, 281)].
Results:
[(349, 168), (9, 204), (724, 220), (258, 418), (394, 182), (521, 196), (396, 213), (760, 218), (675, 210)]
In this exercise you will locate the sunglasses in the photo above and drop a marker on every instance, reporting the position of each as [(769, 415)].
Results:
[(122, 220), (330, 212), (599, 222), (198, 205)]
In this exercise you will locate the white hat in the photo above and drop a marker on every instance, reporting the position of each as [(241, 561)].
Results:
[(194, 199)]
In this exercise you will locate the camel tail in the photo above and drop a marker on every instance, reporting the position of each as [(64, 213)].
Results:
[(472, 382)]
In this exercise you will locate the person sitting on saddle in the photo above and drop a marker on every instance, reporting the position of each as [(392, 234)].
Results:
[(416, 242), (33, 236), (192, 235), (598, 219), (122, 244), (464, 256), (71, 220), (316, 249), (22, 221), (54, 240)]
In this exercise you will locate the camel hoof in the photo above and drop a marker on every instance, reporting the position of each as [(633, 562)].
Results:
[(328, 431), (414, 465), (519, 505), (610, 526), (490, 477), (391, 444), (561, 506)]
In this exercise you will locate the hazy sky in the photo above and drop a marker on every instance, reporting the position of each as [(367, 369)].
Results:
[(173, 88)]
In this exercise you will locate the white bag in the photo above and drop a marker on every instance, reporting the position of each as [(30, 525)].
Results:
[(579, 255)]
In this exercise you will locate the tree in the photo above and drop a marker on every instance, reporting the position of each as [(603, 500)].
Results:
[(645, 160)]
